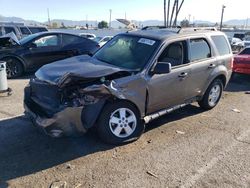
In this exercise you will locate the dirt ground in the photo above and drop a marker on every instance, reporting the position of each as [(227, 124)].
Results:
[(187, 148)]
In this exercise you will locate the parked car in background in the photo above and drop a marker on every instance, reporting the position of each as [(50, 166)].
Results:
[(38, 49), (241, 63), (236, 44), (103, 40), (19, 29), (5, 29), (88, 35), (133, 79)]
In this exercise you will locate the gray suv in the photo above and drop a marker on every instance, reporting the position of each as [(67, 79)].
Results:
[(135, 78)]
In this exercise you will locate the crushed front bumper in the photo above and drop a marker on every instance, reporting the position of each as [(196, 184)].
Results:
[(64, 123)]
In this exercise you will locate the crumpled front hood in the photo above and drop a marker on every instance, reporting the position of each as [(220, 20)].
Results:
[(82, 67), (9, 40)]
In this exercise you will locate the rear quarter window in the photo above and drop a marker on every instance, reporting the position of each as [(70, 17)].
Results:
[(199, 49), (221, 44)]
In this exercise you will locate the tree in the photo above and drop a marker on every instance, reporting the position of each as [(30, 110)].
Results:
[(185, 23), (102, 25), (54, 25)]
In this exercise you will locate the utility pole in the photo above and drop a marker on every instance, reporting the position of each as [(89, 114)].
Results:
[(48, 17), (110, 14), (168, 13), (246, 23), (222, 14), (165, 16), (176, 12)]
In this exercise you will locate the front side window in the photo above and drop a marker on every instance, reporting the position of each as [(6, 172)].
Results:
[(130, 52), (51, 40), (174, 54), (199, 49), (221, 44)]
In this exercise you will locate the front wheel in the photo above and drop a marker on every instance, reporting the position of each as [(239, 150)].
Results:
[(120, 123), (14, 67), (212, 95)]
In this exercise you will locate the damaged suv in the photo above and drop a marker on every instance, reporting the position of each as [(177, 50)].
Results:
[(135, 78)]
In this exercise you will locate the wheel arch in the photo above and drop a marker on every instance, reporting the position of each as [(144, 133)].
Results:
[(16, 57), (221, 76), (91, 114)]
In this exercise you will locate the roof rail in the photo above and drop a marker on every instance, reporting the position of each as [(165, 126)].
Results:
[(159, 27), (190, 29)]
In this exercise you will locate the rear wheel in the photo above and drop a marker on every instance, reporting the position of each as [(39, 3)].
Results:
[(212, 95), (14, 67), (120, 123)]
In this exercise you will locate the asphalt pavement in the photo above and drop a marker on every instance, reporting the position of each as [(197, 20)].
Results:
[(187, 148)]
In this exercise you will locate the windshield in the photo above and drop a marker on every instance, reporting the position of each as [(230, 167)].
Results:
[(28, 38), (128, 52)]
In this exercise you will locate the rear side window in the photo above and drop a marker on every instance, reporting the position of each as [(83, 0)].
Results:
[(199, 49), (9, 30), (221, 44), (70, 39), (24, 31), (37, 29)]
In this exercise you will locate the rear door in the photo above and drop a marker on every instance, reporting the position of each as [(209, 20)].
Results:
[(202, 63), (166, 90)]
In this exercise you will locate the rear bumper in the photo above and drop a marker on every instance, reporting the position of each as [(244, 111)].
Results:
[(64, 123)]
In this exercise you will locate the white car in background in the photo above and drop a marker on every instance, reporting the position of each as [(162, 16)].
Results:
[(102, 40), (88, 35)]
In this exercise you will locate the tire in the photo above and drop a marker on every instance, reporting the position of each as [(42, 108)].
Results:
[(14, 67), (212, 95), (120, 123)]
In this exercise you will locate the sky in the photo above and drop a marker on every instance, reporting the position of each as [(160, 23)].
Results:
[(97, 10)]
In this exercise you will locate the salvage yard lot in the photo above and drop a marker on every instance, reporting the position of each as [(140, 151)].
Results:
[(188, 147)]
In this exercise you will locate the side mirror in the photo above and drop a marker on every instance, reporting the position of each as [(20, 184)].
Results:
[(32, 45), (162, 68)]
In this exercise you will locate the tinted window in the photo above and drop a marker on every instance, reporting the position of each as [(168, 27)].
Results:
[(221, 44), (174, 54), (9, 30), (24, 31), (70, 39), (51, 40), (246, 51), (127, 52), (199, 49)]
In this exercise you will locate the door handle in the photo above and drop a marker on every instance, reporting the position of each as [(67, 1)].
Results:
[(183, 75), (211, 66)]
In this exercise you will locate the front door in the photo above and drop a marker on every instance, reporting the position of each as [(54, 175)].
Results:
[(43, 50), (167, 90)]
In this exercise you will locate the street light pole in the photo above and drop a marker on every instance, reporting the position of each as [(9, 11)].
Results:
[(110, 13), (222, 14)]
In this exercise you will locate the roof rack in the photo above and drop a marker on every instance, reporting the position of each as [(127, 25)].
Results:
[(190, 29), (159, 27)]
